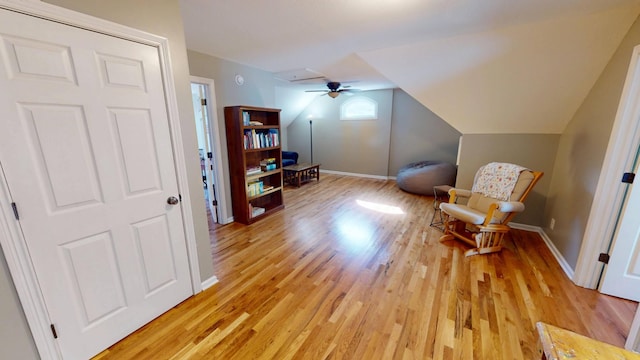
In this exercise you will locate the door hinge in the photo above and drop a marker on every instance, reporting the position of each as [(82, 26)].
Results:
[(15, 210), (203, 102), (210, 155), (180, 197), (604, 258), (214, 202), (628, 178), (53, 330)]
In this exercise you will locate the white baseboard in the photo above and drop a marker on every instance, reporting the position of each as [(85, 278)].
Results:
[(556, 253), (209, 282), (379, 177)]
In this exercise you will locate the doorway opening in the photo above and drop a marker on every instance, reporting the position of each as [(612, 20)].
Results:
[(204, 108)]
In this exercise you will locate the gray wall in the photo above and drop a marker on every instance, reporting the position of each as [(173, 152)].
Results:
[(354, 146), (418, 134), (257, 90), (534, 151), (581, 152), (160, 17), (405, 132)]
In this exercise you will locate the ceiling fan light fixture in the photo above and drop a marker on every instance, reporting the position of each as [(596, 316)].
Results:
[(333, 89)]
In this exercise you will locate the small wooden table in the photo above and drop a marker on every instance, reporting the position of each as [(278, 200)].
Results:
[(560, 344), (301, 173)]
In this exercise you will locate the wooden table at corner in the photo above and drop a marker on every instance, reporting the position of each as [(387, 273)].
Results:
[(560, 344), (301, 173)]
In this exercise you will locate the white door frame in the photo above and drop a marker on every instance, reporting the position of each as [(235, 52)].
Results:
[(214, 133), (633, 339), (11, 239), (610, 192), (610, 195)]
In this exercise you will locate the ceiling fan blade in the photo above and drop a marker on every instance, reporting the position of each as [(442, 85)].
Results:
[(334, 88)]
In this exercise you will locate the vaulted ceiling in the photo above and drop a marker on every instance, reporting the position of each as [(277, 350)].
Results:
[(491, 66)]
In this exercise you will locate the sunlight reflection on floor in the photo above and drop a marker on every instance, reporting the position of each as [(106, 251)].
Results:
[(356, 235), (356, 232), (387, 209)]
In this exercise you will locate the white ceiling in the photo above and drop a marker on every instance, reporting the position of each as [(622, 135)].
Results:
[(483, 66)]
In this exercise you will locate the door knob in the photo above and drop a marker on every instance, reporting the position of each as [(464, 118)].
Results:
[(172, 200)]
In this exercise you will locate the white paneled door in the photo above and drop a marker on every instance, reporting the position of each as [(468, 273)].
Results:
[(86, 150), (622, 274)]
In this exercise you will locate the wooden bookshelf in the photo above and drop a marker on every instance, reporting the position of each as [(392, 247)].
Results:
[(253, 136)]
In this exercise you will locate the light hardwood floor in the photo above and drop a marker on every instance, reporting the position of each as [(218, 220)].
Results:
[(328, 278)]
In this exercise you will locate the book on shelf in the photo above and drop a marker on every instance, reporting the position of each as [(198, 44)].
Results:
[(268, 164), (254, 170), (274, 138), (255, 123), (267, 188), (246, 118), (256, 210), (255, 188), (261, 139)]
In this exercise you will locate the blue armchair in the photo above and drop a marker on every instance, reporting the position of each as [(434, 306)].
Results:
[(289, 158)]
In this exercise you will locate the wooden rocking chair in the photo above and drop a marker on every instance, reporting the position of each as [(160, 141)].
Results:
[(482, 221)]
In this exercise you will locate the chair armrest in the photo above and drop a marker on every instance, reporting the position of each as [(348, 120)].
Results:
[(503, 206), (454, 194), (510, 206), (290, 155)]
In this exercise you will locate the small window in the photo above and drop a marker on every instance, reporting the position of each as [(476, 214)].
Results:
[(359, 108)]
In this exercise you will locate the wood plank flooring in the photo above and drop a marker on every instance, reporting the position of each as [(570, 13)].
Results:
[(331, 278)]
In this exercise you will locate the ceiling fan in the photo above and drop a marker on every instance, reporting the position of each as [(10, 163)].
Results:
[(334, 89)]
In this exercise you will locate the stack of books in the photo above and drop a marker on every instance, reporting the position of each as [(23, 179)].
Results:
[(255, 210), (252, 170), (268, 164)]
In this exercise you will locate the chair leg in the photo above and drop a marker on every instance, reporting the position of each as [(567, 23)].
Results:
[(447, 230), (446, 237), (489, 240), (454, 229), (480, 251)]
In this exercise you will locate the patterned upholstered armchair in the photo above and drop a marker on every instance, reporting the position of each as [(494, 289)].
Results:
[(498, 192)]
